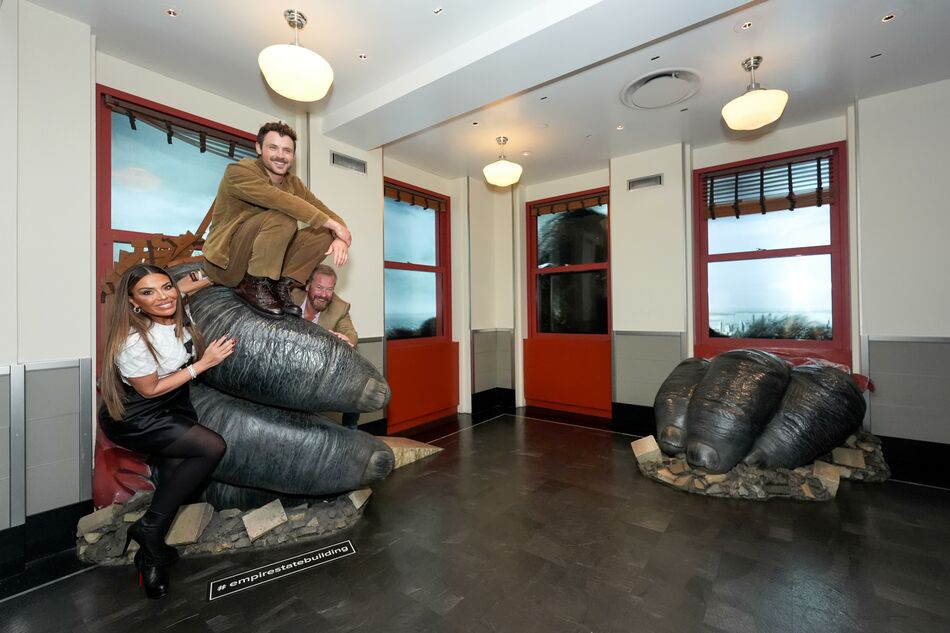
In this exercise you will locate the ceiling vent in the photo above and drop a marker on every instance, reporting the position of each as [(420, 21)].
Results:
[(347, 162), (660, 88)]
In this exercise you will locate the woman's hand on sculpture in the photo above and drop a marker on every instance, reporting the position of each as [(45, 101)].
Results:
[(216, 352), (340, 252)]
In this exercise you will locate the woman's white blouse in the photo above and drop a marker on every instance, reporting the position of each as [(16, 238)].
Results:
[(135, 361)]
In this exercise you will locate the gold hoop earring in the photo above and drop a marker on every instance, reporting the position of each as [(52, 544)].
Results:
[(136, 309)]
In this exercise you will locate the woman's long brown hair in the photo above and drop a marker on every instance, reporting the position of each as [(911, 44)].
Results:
[(124, 322)]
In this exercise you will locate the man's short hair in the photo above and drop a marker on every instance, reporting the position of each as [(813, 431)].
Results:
[(276, 126), (322, 269)]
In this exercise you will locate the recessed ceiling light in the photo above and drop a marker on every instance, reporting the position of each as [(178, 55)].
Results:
[(363, 56), (887, 18), (745, 26), (474, 122), (620, 126), (589, 136), (542, 98), (437, 10), (172, 12), (545, 125), (875, 55), (526, 153), (653, 59), (683, 109)]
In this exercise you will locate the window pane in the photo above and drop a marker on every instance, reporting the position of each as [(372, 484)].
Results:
[(118, 247), (780, 298), (157, 187), (410, 304), (408, 233), (810, 226), (573, 303), (573, 237)]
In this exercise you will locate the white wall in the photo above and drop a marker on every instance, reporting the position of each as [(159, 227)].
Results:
[(648, 243), (8, 174), (490, 234), (457, 190), (775, 142), (358, 199), (55, 216), (903, 154), (116, 73)]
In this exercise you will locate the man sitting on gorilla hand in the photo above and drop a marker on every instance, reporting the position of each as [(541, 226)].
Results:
[(254, 245)]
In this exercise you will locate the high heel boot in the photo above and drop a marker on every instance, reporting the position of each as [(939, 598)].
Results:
[(149, 532), (151, 576)]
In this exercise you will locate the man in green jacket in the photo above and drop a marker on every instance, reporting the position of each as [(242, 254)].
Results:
[(254, 244)]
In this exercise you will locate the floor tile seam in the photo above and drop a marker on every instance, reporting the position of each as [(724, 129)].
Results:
[(500, 415), (577, 426), (47, 584)]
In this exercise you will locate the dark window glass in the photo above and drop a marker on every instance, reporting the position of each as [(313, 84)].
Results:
[(573, 237), (410, 304), (573, 303), (408, 233)]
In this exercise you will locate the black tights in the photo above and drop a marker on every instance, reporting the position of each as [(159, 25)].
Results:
[(184, 465)]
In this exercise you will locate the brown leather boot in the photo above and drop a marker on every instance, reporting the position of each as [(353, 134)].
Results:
[(257, 293), (282, 290)]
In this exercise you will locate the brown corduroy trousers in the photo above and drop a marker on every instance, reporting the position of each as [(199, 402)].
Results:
[(270, 245)]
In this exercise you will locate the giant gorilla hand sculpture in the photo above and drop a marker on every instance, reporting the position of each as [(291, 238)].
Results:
[(747, 405), (264, 401)]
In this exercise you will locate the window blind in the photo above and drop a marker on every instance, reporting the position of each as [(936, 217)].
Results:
[(409, 196), (206, 139), (570, 204), (777, 186)]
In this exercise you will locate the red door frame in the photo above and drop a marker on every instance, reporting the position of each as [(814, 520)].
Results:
[(598, 377), (837, 350), (411, 363)]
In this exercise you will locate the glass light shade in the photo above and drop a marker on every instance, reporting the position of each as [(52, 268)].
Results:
[(295, 72), (756, 108), (502, 173)]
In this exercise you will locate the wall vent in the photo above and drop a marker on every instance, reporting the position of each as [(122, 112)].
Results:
[(347, 162), (646, 181)]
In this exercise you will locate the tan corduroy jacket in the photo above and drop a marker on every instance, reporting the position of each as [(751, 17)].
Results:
[(245, 190), (336, 317)]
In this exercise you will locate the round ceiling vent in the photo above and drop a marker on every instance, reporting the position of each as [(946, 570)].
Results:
[(660, 88)]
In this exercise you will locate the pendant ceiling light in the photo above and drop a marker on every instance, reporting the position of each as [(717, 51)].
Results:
[(293, 71), (502, 172), (757, 107)]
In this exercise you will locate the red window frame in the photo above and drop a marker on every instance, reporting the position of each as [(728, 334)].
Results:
[(534, 272), (442, 268), (838, 349), (105, 234)]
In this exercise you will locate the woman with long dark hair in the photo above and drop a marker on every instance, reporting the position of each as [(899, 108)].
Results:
[(147, 365)]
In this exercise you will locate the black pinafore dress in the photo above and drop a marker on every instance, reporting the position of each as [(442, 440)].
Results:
[(150, 424)]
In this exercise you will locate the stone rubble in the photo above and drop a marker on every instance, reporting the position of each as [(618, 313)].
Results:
[(100, 536), (861, 459)]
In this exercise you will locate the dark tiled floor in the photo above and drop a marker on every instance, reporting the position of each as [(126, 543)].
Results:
[(522, 525)]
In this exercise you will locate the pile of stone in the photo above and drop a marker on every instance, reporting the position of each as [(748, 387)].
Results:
[(199, 529), (860, 459)]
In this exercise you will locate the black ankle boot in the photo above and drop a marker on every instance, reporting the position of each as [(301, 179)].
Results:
[(151, 576), (256, 291), (282, 291), (149, 532)]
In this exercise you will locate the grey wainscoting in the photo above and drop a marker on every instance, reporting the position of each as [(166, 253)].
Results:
[(642, 361), (4, 448), (58, 428), (374, 350), (912, 387), (492, 357)]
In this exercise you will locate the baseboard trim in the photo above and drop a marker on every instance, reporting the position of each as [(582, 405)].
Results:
[(43, 534)]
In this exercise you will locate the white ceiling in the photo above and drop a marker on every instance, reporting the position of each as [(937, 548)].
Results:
[(429, 76)]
